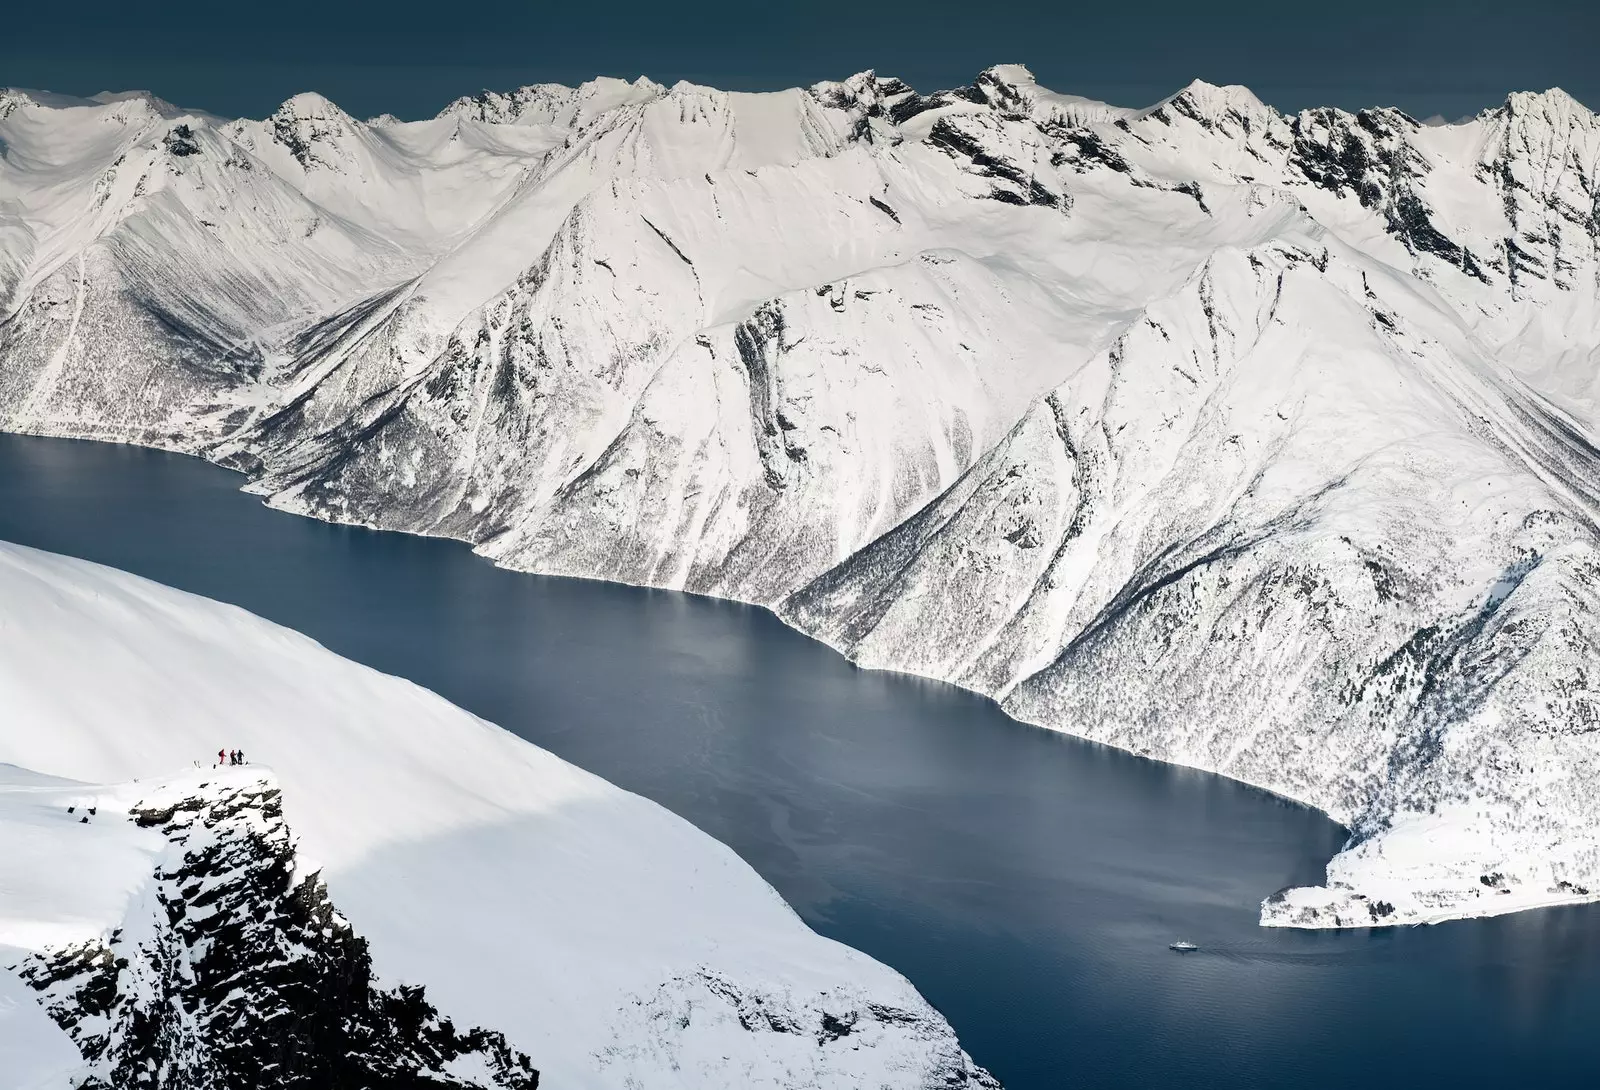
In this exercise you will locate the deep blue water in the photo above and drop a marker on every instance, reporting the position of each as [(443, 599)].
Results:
[(1027, 882)]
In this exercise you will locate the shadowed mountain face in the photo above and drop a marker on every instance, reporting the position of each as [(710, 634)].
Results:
[(1256, 442)]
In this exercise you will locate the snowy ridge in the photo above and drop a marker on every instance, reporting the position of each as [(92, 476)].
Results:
[(1284, 421), (403, 874)]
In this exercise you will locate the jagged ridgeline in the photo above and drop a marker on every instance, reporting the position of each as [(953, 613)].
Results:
[(1258, 442), (234, 971)]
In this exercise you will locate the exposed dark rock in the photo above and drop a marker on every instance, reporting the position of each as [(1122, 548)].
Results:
[(237, 975), (180, 141), (965, 142), (759, 340)]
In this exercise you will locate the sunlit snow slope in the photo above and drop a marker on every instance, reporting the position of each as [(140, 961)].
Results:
[(1262, 443), (219, 923)]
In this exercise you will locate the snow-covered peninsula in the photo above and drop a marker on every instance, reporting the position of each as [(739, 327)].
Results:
[(392, 889), (1261, 443)]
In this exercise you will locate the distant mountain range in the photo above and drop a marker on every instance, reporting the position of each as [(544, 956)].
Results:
[(1259, 443)]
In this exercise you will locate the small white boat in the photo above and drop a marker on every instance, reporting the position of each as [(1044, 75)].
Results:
[(1182, 947)]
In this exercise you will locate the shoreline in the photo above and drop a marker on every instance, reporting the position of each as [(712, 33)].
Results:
[(249, 481)]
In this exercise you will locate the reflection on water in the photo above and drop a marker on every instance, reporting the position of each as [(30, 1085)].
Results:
[(1027, 882)]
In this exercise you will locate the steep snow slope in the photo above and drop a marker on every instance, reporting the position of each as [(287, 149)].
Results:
[(972, 383), (180, 252), (34, 1052), (1274, 531), (611, 942), (777, 365)]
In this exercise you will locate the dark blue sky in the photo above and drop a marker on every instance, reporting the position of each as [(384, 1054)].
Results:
[(1426, 56)]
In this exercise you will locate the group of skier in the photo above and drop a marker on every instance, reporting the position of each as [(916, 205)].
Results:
[(230, 757)]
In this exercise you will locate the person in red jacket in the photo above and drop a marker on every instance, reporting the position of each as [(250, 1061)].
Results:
[(222, 757)]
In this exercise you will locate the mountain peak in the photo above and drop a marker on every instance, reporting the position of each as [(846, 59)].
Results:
[(308, 125), (156, 103), (616, 84), (311, 106), (1013, 75), (1553, 103), (554, 103), (689, 87), (507, 107), (865, 86), (1214, 101), (13, 99), (1013, 88)]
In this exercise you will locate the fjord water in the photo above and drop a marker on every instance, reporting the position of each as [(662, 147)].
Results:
[(1027, 882)]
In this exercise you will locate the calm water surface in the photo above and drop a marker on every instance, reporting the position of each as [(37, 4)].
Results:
[(1027, 882)]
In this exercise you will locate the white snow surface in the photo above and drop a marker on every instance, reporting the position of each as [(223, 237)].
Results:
[(34, 1053), (1257, 442), (609, 939)]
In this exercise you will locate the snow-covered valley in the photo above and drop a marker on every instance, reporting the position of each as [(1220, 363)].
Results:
[(1253, 442), (392, 890)]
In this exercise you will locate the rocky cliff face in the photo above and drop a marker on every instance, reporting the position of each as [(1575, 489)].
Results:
[(1258, 442), (232, 969)]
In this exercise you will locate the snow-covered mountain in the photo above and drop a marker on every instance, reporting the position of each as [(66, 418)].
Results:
[(1262, 443), (394, 893)]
